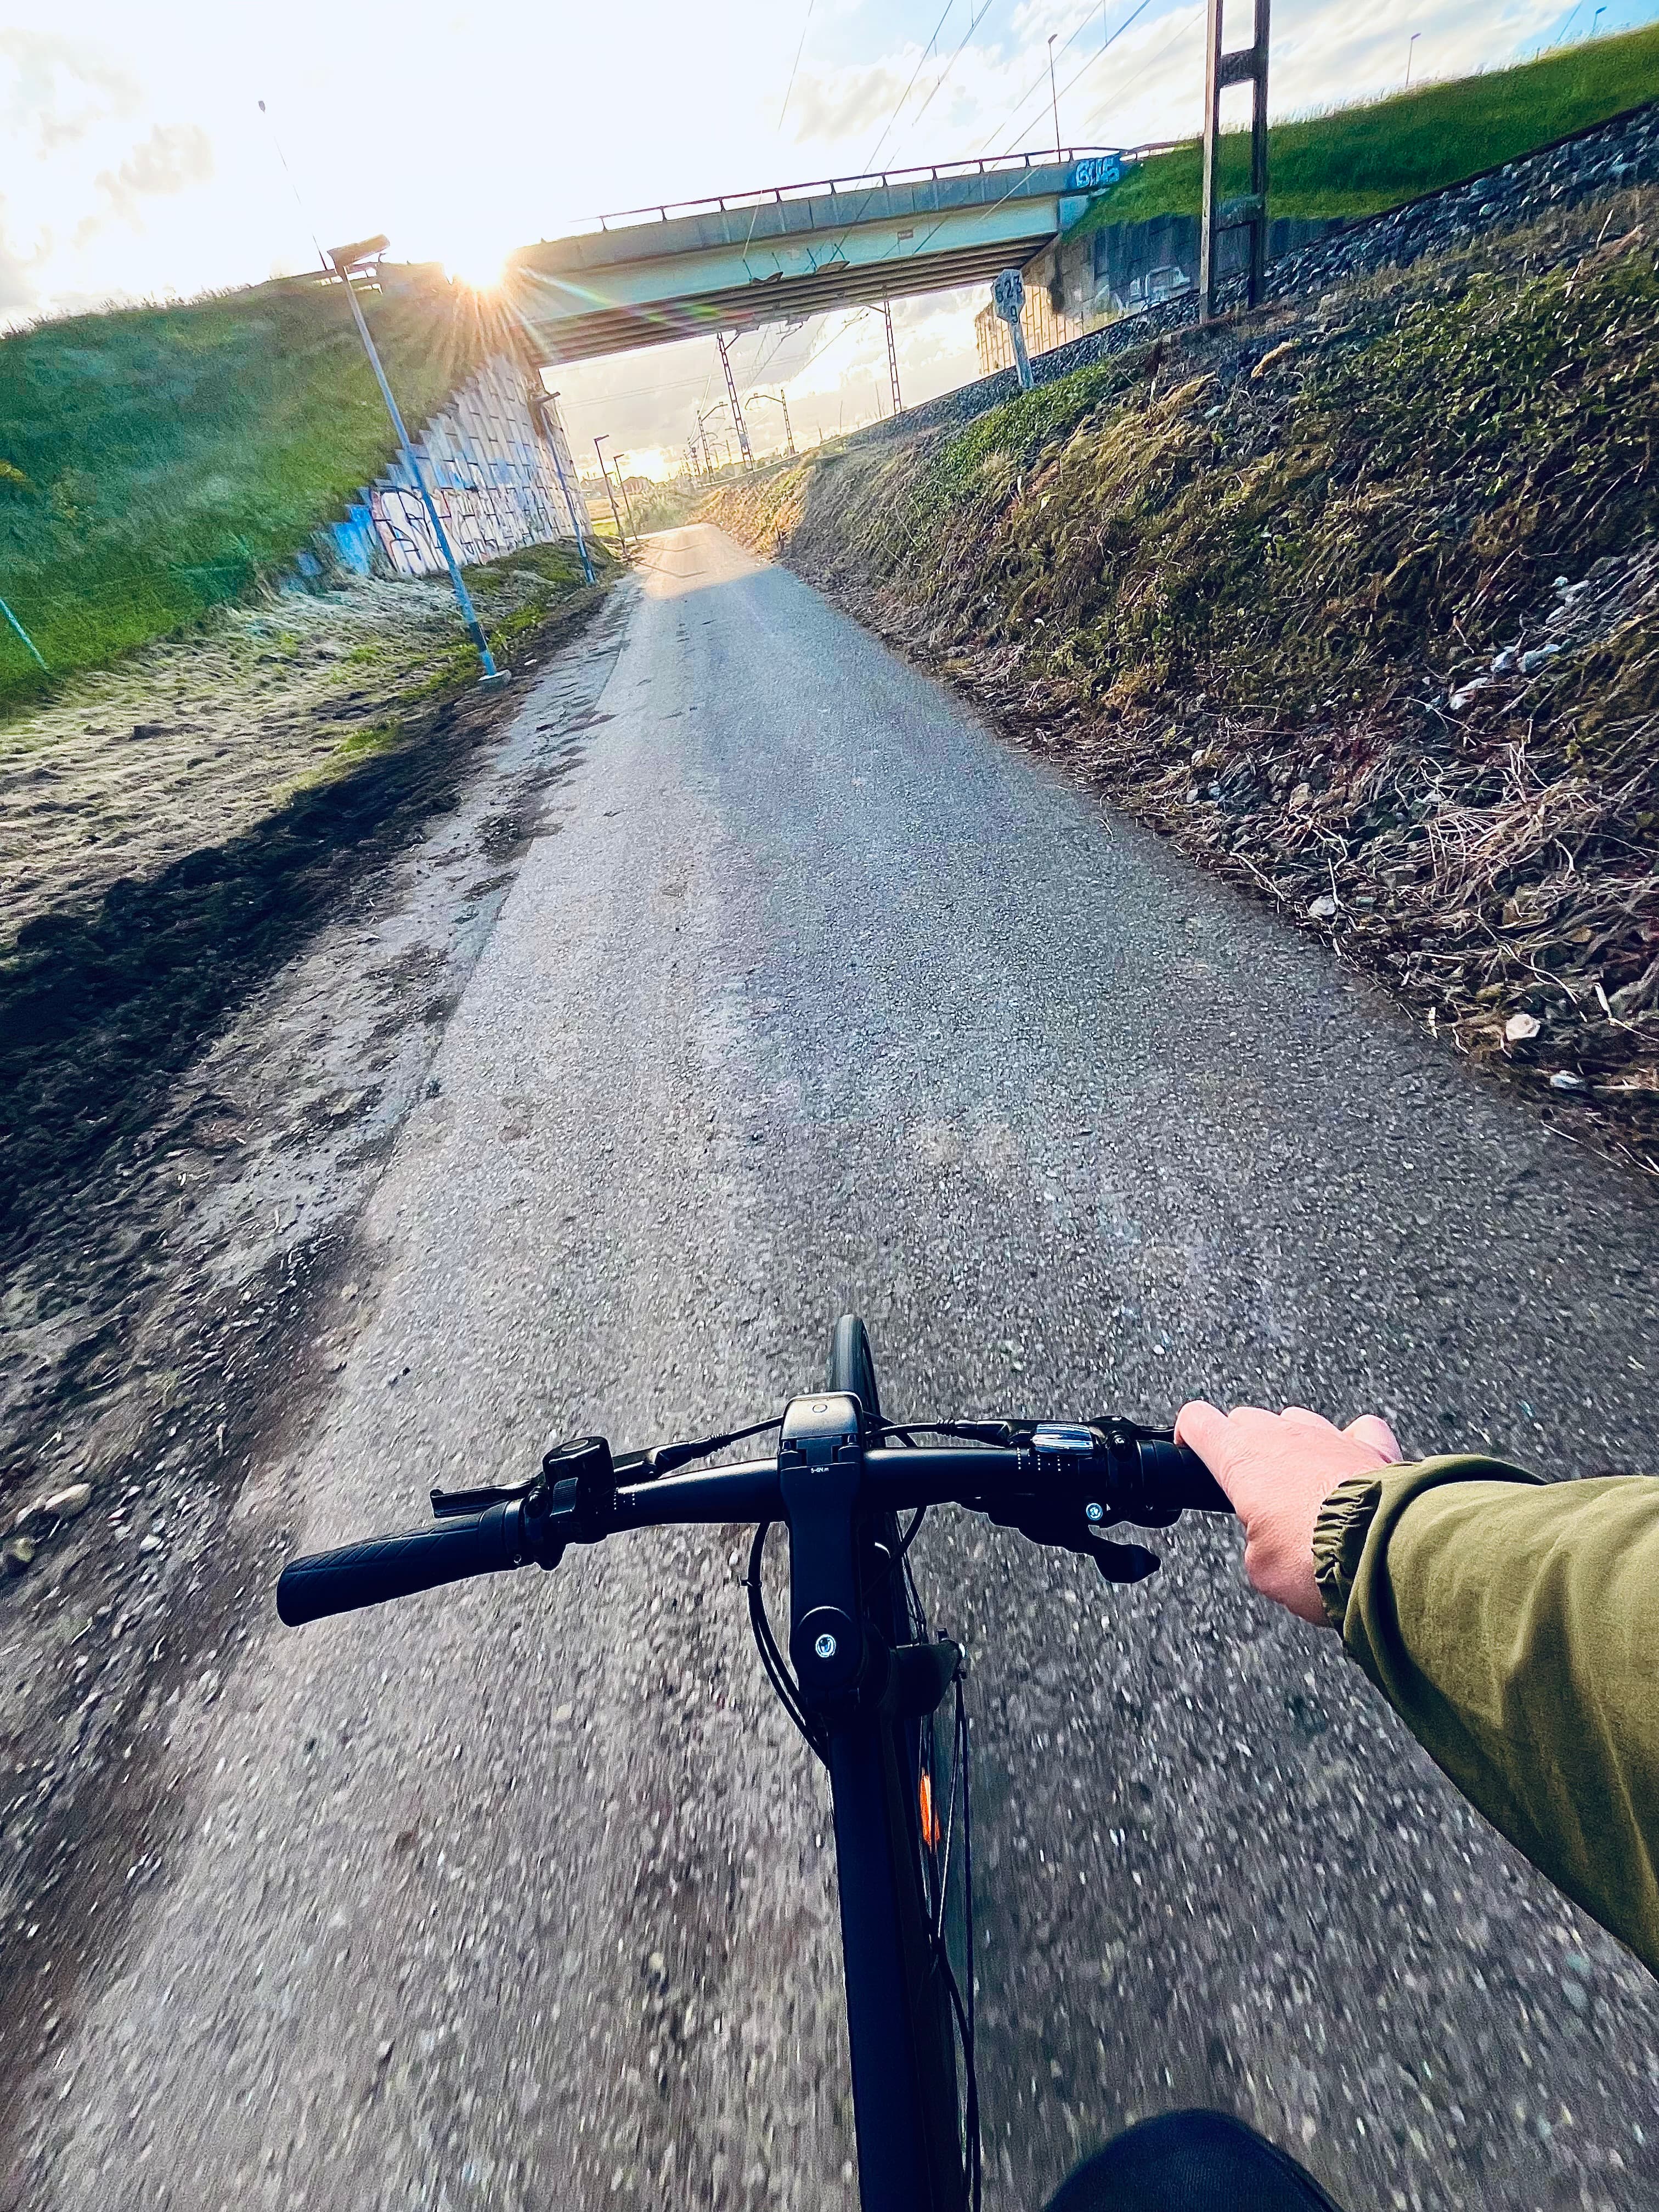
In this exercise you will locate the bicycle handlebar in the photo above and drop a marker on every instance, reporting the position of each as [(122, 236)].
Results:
[(385, 1567), (1150, 1480)]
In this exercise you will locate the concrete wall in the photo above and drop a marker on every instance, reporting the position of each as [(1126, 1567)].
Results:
[(491, 457), (1079, 284)]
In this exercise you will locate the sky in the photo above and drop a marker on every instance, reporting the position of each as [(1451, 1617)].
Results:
[(138, 164)]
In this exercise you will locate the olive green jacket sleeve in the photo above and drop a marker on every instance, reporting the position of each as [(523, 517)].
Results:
[(1514, 1626)]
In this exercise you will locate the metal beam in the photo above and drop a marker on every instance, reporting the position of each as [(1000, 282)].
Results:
[(1247, 65)]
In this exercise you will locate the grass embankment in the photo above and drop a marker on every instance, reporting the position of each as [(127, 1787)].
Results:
[(1358, 161), (1289, 589), (157, 461)]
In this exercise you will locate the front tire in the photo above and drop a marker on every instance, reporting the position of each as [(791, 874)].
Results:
[(914, 1747), (853, 1368)]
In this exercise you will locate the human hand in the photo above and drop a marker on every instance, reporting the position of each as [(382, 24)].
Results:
[(1279, 1469)]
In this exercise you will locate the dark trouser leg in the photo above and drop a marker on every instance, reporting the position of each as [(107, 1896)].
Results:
[(1191, 2162)]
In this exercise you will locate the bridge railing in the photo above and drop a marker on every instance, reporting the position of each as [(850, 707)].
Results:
[(995, 165)]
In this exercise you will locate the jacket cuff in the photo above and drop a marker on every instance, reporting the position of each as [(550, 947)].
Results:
[(1339, 1541), (1346, 1517)]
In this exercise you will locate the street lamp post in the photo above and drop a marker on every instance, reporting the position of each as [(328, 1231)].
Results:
[(622, 535), (344, 259), (1054, 96), (541, 409), (622, 486)]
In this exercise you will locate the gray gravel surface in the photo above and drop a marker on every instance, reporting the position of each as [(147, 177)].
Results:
[(520, 1895)]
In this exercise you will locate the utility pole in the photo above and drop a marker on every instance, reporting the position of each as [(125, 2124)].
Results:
[(704, 421), (541, 409), (622, 535), (628, 504), (892, 356), (343, 260), (1247, 65), (777, 400), (732, 395)]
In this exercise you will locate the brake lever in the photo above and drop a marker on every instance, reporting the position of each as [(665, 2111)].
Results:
[(445, 1502)]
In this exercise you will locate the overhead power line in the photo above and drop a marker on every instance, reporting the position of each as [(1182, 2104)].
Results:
[(984, 9), (795, 65), (920, 60)]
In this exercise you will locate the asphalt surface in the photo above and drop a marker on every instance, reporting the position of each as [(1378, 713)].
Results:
[(519, 1896)]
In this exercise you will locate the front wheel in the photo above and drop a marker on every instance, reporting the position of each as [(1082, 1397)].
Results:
[(919, 1766), (852, 1369)]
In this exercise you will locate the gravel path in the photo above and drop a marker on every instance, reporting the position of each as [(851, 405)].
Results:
[(520, 1897)]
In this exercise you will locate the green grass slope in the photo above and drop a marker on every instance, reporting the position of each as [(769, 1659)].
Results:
[(1357, 161), (155, 461)]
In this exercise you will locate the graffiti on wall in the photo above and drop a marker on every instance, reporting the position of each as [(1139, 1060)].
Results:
[(500, 470)]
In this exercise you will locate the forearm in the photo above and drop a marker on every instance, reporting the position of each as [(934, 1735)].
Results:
[(1515, 1627)]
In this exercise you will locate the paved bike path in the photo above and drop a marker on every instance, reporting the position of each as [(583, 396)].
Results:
[(818, 996)]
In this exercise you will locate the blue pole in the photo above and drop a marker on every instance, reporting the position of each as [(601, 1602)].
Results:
[(27, 640), (469, 613), (570, 501)]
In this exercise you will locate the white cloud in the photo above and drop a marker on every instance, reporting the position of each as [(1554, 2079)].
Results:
[(53, 91), (174, 156)]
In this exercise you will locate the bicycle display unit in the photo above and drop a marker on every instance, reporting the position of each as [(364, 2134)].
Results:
[(874, 1691)]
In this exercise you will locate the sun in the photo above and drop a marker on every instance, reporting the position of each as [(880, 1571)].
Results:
[(478, 268)]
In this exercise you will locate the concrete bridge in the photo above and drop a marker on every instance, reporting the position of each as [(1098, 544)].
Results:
[(733, 263)]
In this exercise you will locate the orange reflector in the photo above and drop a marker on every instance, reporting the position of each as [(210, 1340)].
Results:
[(929, 1821)]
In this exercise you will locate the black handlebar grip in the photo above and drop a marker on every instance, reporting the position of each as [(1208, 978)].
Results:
[(1175, 1477), (395, 1566)]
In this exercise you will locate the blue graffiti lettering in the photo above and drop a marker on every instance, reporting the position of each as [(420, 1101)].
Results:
[(1096, 173)]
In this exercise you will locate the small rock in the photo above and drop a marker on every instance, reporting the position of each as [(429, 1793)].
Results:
[(18, 1555), (383, 2053), (1531, 662), (1503, 662), (1564, 1079), (1323, 909), (64, 1504), (1520, 1027), (148, 1543)]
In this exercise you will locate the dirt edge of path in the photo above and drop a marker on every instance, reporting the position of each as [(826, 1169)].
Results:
[(192, 1279)]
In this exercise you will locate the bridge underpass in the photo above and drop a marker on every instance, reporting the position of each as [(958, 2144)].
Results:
[(736, 262)]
